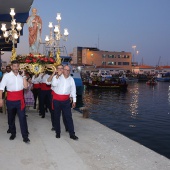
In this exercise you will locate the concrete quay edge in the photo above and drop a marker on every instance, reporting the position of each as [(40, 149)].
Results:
[(98, 148)]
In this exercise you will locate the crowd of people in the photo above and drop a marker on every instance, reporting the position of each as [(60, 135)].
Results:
[(55, 91)]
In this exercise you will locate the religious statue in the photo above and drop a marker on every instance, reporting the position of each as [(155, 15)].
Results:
[(35, 27)]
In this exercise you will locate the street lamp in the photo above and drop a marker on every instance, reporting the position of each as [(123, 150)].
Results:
[(53, 40), (137, 52), (134, 47), (12, 34)]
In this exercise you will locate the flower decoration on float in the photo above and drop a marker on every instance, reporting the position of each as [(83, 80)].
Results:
[(36, 64), (32, 59)]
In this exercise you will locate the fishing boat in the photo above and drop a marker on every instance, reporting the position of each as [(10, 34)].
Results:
[(129, 79), (108, 84), (162, 79)]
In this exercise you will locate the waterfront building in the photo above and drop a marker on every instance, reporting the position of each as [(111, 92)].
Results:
[(143, 69), (111, 69), (162, 69), (146, 69), (96, 57)]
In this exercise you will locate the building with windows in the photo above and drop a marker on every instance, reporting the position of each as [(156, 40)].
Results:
[(94, 56), (145, 69)]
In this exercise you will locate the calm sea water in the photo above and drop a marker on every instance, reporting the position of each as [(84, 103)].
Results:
[(142, 113)]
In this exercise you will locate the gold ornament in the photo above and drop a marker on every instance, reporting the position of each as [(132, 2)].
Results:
[(58, 59), (36, 68)]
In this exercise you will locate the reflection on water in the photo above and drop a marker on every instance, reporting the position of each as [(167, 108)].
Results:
[(169, 94), (134, 100), (141, 113)]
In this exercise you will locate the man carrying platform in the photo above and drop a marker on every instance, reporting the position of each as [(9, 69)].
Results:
[(15, 84), (64, 87)]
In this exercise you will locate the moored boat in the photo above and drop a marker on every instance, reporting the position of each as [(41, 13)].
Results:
[(162, 79), (107, 85)]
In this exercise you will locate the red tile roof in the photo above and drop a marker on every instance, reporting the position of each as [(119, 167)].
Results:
[(144, 67)]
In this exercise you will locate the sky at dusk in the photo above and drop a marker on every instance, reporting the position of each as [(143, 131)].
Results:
[(110, 25)]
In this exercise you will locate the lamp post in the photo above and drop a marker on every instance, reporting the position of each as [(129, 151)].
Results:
[(134, 47), (53, 40), (13, 33), (137, 52)]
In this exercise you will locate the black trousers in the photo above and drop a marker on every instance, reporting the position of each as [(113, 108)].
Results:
[(45, 100), (12, 108), (36, 93), (65, 108)]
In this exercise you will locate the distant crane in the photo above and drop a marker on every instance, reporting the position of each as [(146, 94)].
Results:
[(159, 61)]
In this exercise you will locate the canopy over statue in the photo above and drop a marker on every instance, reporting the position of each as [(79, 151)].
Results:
[(35, 28)]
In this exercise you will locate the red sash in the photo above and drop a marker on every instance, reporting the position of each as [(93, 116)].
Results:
[(44, 86), (59, 97), (16, 95), (36, 86)]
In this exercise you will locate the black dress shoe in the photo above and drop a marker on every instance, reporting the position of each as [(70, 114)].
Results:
[(52, 129), (66, 130), (57, 135), (26, 140), (8, 131), (12, 137), (43, 116), (74, 137)]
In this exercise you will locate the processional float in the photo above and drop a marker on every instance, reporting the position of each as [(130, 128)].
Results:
[(35, 62)]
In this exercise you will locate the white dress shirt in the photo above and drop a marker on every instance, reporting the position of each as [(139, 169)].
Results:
[(36, 80), (44, 78), (12, 82), (64, 85), (49, 83)]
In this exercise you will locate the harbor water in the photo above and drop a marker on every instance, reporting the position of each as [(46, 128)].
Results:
[(142, 113)]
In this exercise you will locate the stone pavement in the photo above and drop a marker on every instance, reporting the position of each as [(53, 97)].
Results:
[(98, 148)]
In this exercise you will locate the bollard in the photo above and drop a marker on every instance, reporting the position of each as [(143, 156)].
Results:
[(85, 112)]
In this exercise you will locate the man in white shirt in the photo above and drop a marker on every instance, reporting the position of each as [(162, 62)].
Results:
[(36, 89), (45, 94), (64, 87), (15, 84), (59, 69)]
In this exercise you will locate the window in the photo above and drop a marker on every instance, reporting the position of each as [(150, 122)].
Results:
[(103, 55), (110, 56), (126, 63), (119, 63), (111, 63), (103, 63), (119, 56)]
